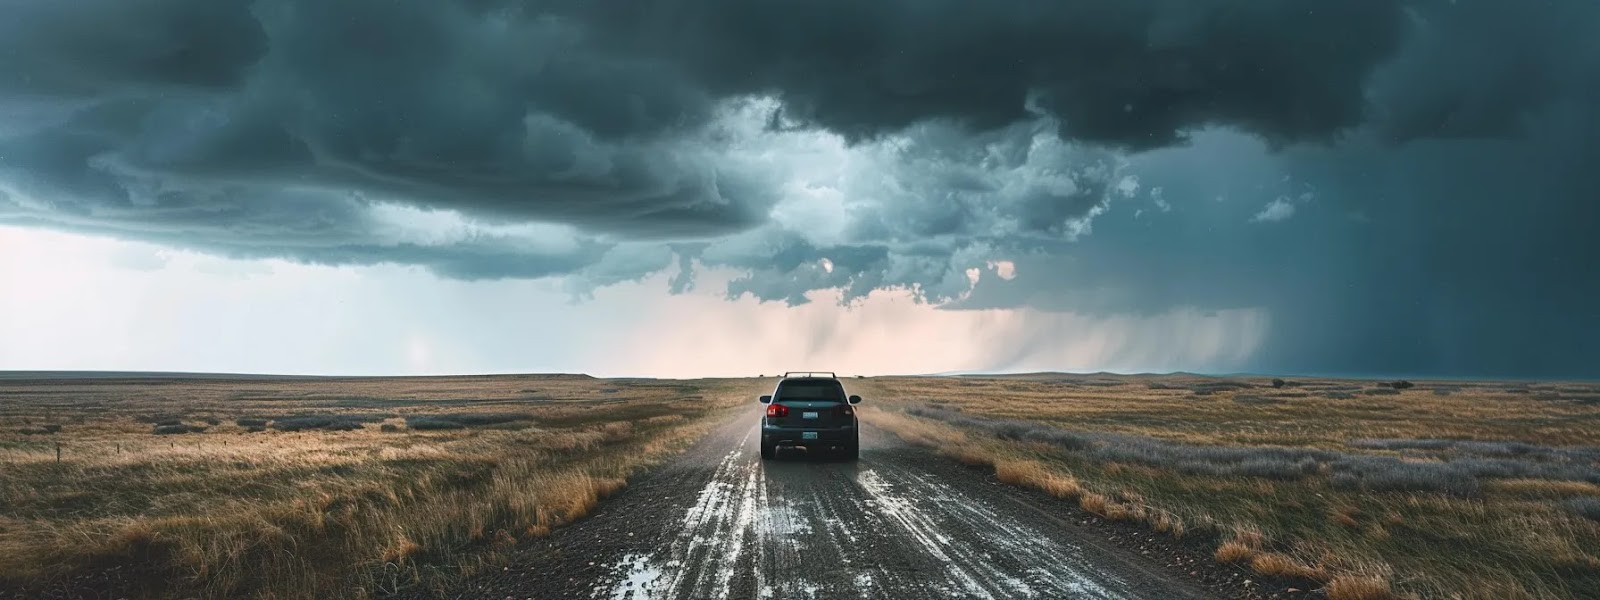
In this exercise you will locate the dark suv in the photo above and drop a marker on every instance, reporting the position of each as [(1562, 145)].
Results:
[(810, 410)]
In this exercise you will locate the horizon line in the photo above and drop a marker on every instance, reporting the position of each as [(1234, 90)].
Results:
[(36, 374)]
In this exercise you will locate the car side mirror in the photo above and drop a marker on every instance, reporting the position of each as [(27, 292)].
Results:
[(766, 399), (855, 399)]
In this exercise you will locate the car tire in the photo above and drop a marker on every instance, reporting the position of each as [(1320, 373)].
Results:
[(852, 451), (768, 450)]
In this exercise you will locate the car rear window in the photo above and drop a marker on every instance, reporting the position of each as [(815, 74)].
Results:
[(829, 391)]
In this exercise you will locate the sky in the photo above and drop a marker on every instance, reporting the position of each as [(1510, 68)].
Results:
[(731, 187)]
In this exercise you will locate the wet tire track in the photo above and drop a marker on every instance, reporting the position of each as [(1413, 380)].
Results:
[(722, 523)]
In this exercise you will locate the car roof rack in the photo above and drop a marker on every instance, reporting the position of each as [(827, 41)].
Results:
[(828, 374)]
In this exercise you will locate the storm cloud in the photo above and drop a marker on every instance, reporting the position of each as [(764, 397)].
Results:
[(1372, 172), (1134, 74)]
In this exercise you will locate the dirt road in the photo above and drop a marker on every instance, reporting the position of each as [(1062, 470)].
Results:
[(721, 523)]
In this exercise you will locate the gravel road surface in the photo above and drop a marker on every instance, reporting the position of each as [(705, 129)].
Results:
[(718, 522)]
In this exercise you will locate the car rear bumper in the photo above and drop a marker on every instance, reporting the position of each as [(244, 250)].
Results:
[(796, 436)]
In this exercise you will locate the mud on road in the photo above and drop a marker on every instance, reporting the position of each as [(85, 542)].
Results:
[(901, 523)]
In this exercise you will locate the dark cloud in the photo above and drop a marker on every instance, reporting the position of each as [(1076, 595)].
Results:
[(103, 46), (1439, 156), (1480, 69), (594, 114), (189, 106), (1134, 74)]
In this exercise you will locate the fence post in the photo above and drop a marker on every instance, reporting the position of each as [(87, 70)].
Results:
[(58, 453)]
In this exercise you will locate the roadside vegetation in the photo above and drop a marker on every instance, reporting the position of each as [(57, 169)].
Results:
[(315, 488), (1366, 489)]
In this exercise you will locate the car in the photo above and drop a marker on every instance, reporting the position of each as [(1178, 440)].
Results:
[(810, 410)]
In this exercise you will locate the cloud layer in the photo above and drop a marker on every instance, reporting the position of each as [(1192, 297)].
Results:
[(1366, 148)]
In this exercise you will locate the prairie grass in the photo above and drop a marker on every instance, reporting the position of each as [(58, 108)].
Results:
[(318, 488), (1368, 587), (1375, 490)]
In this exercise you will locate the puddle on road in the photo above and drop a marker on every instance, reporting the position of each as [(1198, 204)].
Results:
[(699, 562), (638, 578), (864, 581)]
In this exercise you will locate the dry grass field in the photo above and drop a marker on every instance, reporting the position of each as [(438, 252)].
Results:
[(1437, 490), (315, 487)]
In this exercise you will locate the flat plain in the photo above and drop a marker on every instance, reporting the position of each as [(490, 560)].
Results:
[(466, 486), (1364, 489), (312, 487)]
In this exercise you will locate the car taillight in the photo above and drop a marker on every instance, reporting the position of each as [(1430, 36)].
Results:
[(846, 411), (777, 410)]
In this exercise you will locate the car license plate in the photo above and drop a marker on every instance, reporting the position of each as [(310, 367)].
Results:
[(808, 435), (809, 415)]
